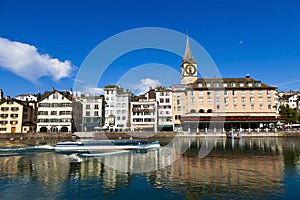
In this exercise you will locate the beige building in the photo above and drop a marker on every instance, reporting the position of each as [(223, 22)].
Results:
[(221, 103), (16, 116)]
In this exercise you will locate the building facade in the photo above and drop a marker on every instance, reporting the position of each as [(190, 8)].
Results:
[(16, 116), (165, 116), (117, 107), (55, 112)]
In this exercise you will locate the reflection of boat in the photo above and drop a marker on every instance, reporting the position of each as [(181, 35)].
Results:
[(234, 134), (96, 145)]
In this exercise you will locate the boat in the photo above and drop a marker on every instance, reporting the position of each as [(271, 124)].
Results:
[(99, 145)]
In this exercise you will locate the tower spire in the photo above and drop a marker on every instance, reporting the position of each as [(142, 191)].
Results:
[(188, 54)]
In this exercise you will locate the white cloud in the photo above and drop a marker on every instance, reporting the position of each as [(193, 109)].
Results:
[(94, 91), (25, 61), (145, 84)]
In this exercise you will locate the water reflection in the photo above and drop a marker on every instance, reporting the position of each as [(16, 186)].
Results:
[(251, 167)]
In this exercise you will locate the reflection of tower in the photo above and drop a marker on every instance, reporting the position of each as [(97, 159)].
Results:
[(188, 66)]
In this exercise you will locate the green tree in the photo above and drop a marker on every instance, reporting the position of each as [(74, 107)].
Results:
[(289, 114)]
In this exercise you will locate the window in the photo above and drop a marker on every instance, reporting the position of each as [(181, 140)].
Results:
[(192, 100), (200, 93), (87, 106), (4, 116), (3, 122), (96, 113), (167, 100), (243, 100), (55, 105), (53, 112), (225, 84), (260, 100), (233, 84), (235, 100), (235, 107), (261, 107), (250, 84), (269, 100), (252, 100), (260, 92), (252, 93), (269, 107), (13, 122), (209, 94), (208, 84), (161, 100), (243, 93), (14, 109), (258, 84), (4, 109), (217, 93), (234, 93), (209, 100), (123, 111), (216, 84), (2, 129), (252, 107), (200, 85), (226, 92), (123, 118), (218, 107), (241, 84), (268, 92), (87, 113), (244, 107), (217, 100), (192, 93), (55, 96), (179, 108), (118, 111), (96, 106), (226, 100), (201, 100)]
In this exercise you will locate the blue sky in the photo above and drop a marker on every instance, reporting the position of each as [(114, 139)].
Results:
[(261, 38)]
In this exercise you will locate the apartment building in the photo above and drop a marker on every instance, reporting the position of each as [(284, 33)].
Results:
[(16, 116), (55, 112), (92, 112), (117, 107), (165, 116)]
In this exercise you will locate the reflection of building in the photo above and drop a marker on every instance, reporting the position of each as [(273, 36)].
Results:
[(55, 112), (16, 116)]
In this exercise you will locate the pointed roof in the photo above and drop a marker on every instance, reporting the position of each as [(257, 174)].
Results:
[(188, 54)]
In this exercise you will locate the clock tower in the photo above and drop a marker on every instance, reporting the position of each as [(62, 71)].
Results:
[(188, 66)]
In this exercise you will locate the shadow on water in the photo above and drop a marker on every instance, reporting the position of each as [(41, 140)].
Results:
[(255, 168)]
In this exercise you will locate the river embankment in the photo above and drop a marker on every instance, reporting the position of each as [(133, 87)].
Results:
[(139, 135)]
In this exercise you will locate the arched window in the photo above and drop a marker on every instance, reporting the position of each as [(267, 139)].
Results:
[(209, 111), (193, 111), (201, 111)]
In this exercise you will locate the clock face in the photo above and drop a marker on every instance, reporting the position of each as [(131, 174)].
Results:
[(190, 70)]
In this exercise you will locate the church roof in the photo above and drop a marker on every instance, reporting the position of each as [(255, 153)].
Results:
[(188, 54)]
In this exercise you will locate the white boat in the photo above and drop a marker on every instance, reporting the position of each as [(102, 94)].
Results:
[(98, 145)]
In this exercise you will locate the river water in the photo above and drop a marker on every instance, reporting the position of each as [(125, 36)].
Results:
[(250, 168)]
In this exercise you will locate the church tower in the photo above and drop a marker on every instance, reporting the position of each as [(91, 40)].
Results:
[(188, 66)]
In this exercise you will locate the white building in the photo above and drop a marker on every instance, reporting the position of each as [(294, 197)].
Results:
[(290, 99), (144, 115), (165, 115), (55, 112), (117, 107)]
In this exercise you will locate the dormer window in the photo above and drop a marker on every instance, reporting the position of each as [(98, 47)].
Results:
[(55, 96), (208, 84), (225, 85), (233, 84), (200, 85), (216, 84), (258, 84), (250, 84), (241, 84)]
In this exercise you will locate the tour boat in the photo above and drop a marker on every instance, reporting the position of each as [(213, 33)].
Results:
[(98, 145), (234, 134)]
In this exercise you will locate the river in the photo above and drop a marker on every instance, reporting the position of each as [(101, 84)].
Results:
[(248, 168)]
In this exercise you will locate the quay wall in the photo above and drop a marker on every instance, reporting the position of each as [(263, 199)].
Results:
[(140, 135)]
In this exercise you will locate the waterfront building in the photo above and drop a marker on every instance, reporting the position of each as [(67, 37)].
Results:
[(16, 116), (117, 104), (290, 99), (165, 116), (55, 112), (92, 112), (203, 104), (144, 114)]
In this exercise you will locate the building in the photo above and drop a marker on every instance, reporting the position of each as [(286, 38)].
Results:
[(55, 112), (221, 103), (117, 104), (290, 99), (27, 97), (144, 115), (165, 116), (92, 112), (16, 116)]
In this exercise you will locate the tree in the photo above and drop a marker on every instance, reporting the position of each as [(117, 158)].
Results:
[(289, 114)]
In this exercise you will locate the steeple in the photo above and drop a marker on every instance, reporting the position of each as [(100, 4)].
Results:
[(188, 54)]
